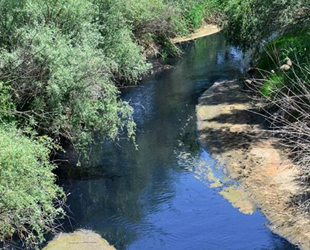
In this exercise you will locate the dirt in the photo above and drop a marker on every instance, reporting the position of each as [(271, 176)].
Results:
[(205, 30), (79, 240), (235, 137)]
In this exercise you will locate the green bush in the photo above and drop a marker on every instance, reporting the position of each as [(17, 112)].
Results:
[(272, 85), (154, 21), (30, 200), (294, 45), (253, 23), (193, 13), (291, 47), (67, 55), (62, 89), (61, 62), (61, 72), (69, 16)]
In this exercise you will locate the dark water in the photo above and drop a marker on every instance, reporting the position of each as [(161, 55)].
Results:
[(149, 199)]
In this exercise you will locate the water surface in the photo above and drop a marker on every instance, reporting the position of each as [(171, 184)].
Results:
[(149, 198)]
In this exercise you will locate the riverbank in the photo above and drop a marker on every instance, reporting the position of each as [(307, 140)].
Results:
[(152, 51), (205, 30), (235, 137)]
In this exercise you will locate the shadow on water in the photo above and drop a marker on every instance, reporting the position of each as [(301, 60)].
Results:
[(146, 199)]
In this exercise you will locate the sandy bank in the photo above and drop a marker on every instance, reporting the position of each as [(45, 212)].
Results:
[(205, 30), (79, 240), (234, 137)]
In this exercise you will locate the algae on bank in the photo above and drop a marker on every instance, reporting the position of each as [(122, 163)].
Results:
[(79, 240)]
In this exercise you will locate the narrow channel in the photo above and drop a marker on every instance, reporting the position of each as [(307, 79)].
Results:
[(151, 198)]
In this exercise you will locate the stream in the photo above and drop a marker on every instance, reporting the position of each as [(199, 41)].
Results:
[(152, 198)]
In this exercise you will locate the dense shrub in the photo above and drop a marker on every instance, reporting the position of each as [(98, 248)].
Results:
[(254, 23), (61, 89), (155, 21), (61, 72), (62, 58), (30, 200), (194, 13), (61, 63)]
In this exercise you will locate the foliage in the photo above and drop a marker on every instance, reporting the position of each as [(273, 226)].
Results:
[(6, 103), (278, 31), (60, 78), (252, 23), (62, 89), (30, 201), (194, 13), (294, 44), (127, 63), (61, 63), (270, 86), (155, 21), (282, 53), (61, 59)]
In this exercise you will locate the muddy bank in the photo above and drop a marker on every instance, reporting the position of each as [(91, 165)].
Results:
[(234, 137), (79, 240)]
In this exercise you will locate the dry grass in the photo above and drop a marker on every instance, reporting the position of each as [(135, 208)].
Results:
[(286, 105)]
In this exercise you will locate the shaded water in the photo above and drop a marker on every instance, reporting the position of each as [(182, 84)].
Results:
[(149, 199)]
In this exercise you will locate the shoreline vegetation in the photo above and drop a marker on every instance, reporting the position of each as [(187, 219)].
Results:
[(64, 241), (63, 62), (62, 65)]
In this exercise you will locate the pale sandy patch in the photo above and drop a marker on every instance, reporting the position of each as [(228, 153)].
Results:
[(267, 177), (205, 30)]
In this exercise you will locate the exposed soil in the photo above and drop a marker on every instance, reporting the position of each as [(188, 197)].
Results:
[(152, 51), (205, 30), (235, 138)]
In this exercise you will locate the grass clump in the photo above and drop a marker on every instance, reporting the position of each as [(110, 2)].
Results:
[(270, 86)]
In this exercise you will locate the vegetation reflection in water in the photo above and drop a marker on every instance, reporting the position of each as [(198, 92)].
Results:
[(148, 199), (213, 175)]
